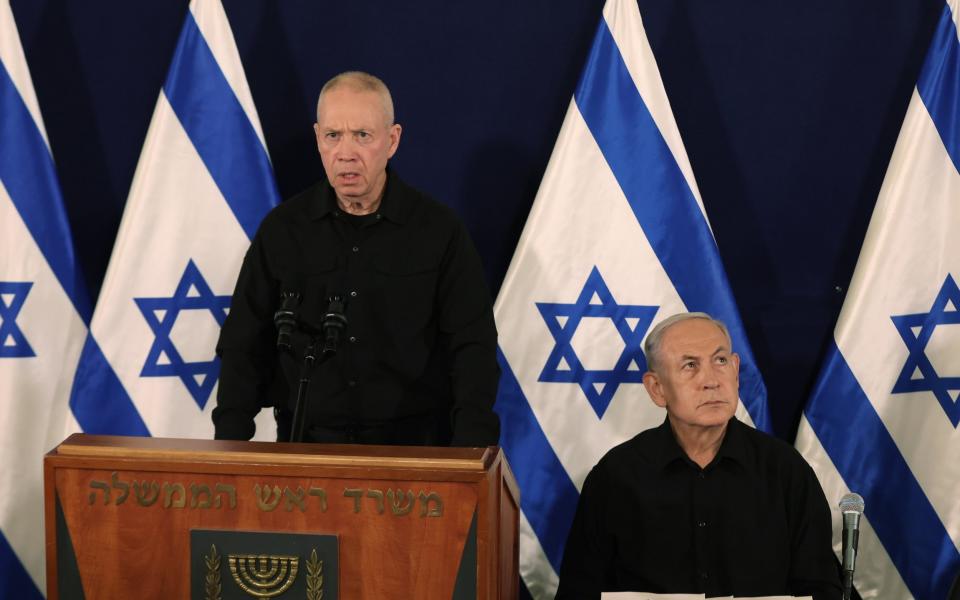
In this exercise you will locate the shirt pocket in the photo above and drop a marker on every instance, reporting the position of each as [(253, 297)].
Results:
[(316, 277), (406, 287)]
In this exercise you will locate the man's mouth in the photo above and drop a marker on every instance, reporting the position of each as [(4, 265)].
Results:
[(712, 403)]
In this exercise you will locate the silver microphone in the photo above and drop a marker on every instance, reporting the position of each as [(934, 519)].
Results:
[(851, 505)]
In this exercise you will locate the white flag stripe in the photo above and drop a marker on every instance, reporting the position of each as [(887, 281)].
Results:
[(215, 26), (535, 569), (627, 29)]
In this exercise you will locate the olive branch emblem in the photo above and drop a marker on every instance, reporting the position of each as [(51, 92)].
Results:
[(212, 580), (314, 577)]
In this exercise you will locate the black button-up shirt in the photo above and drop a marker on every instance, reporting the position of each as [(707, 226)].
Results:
[(754, 522), (419, 349)]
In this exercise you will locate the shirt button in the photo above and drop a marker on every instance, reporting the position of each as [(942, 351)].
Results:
[(378, 217), (701, 524), (703, 574), (353, 340), (356, 248), (352, 383), (702, 475), (354, 295)]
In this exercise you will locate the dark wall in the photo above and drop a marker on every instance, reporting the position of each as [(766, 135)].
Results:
[(789, 112)]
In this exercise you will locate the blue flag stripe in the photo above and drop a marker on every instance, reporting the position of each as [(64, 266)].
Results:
[(662, 201), (15, 582), (939, 84), (870, 463), (549, 496), (27, 171), (219, 128), (99, 402)]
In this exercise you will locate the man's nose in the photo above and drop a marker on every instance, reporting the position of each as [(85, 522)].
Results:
[(347, 149), (709, 379)]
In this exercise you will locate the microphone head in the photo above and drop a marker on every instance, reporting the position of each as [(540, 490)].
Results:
[(851, 503)]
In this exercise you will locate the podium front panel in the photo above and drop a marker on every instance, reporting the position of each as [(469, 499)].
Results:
[(408, 522)]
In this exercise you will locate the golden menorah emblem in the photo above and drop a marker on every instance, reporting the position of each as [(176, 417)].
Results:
[(262, 575)]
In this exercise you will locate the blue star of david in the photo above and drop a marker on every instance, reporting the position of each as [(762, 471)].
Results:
[(13, 344), (161, 314), (929, 380), (564, 366)]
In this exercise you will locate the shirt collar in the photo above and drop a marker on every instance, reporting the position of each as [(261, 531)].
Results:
[(392, 206), (666, 449)]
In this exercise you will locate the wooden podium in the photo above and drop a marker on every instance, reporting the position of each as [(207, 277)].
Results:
[(168, 518)]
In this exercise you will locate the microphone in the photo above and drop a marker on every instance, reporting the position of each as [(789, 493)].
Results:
[(333, 323), (851, 505), (286, 318)]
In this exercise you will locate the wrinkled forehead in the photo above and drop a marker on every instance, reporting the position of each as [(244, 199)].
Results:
[(346, 103), (694, 337)]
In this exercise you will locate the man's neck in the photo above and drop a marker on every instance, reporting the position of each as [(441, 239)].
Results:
[(700, 444), (357, 206), (363, 205)]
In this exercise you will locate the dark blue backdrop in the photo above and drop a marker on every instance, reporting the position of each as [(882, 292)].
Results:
[(789, 112)]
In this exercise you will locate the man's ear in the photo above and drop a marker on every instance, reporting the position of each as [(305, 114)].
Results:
[(316, 133), (394, 134), (651, 381), (736, 365)]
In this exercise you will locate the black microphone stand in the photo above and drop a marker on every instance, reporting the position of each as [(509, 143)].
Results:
[(306, 370), (334, 322)]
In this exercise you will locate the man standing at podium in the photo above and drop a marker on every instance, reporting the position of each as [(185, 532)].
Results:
[(416, 362), (702, 503)]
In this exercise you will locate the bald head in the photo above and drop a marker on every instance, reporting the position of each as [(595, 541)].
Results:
[(358, 81)]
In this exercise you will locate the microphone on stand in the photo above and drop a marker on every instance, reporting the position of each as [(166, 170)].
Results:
[(333, 323), (286, 318), (851, 505)]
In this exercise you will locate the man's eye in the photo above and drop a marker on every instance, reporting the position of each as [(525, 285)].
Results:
[(332, 135), (722, 360), (688, 365)]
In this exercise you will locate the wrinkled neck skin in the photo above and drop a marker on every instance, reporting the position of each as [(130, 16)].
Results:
[(700, 444), (363, 206)]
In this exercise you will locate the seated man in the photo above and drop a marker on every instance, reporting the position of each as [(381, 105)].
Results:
[(702, 503)]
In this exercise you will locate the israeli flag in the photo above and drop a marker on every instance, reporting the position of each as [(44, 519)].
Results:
[(203, 183), (616, 241), (44, 311), (883, 418)]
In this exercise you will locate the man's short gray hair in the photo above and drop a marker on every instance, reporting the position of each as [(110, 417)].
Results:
[(651, 347), (359, 81)]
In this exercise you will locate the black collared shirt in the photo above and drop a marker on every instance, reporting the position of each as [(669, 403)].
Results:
[(420, 344), (754, 522)]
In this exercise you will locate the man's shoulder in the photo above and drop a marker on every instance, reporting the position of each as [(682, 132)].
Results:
[(294, 209), (638, 450), (771, 449), (300, 203), (420, 206)]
